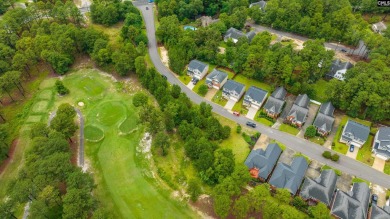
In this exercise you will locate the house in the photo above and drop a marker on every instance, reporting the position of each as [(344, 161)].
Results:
[(379, 27), (261, 163), (381, 145), (299, 111), (233, 90), (275, 102), (355, 134), (352, 204), (324, 120), (197, 69), (338, 69), (216, 79), (289, 177), (320, 189), (235, 34), (260, 4), (254, 97), (380, 213)]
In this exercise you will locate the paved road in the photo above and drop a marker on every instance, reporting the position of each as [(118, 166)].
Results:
[(307, 148), (360, 50)]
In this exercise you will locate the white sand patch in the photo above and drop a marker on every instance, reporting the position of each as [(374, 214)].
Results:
[(164, 56), (222, 50), (86, 166), (145, 145), (80, 104)]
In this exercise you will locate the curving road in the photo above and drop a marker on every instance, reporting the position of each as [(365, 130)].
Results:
[(312, 150)]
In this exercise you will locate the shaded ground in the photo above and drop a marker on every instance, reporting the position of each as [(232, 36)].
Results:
[(10, 156)]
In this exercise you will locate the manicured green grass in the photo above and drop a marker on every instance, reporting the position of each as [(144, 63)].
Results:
[(317, 140), (252, 82), (240, 108), (299, 154), (34, 119), (110, 113), (40, 106), (359, 180), (288, 129), (320, 90), (364, 154), (263, 120), (46, 95), (128, 125), (185, 79), (93, 133), (326, 167), (387, 168), (282, 146), (218, 99), (235, 142)]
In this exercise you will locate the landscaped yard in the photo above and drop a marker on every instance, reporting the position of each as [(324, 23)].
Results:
[(326, 167), (240, 108), (252, 82), (359, 180), (282, 146), (263, 120), (364, 154), (289, 129), (317, 140), (185, 79), (320, 90), (218, 99), (387, 168)]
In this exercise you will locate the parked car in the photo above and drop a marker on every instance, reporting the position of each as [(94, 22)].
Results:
[(236, 113), (147, 8), (343, 50), (351, 148), (251, 124), (195, 81), (374, 199)]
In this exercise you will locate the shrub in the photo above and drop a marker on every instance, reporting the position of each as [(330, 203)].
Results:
[(310, 132), (239, 128), (194, 189), (327, 154), (203, 89), (335, 157), (60, 88), (333, 144), (257, 135)]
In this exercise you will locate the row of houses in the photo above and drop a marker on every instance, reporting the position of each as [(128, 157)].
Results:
[(354, 204)]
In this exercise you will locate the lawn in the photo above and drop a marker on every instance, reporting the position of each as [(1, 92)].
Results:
[(341, 147), (387, 168), (252, 82), (263, 120), (185, 79), (289, 129), (320, 90), (240, 108), (364, 154), (93, 133), (359, 180), (218, 99), (235, 142), (123, 185), (282, 146), (317, 140), (326, 167)]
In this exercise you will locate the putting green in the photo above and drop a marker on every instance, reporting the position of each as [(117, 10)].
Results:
[(40, 106), (110, 113), (90, 86), (93, 133), (128, 125)]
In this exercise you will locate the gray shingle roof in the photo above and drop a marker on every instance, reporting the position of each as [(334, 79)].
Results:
[(355, 131), (217, 75), (324, 119), (231, 85), (338, 65), (264, 160), (195, 64), (236, 34), (256, 94), (276, 100), (300, 108), (289, 177), (321, 188), (380, 213), (383, 146), (353, 204)]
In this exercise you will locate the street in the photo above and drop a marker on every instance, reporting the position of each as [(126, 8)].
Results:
[(307, 148)]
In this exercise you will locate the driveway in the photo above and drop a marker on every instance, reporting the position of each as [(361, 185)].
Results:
[(289, 102), (313, 108), (379, 164), (251, 113), (230, 104), (310, 149), (210, 94), (191, 85), (314, 169), (353, 154), (262, 142), (381, 192), (287, 156), (336, 124)]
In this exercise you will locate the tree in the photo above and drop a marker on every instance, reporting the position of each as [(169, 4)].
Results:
[(61, 89), (169, 30), (7, 210), (203, 89), (161, 141), (140, 66), (224, 163), (222, 205), (319, 211), (140, 99), (175, 91), (194, 189), (271, 209), (63, 124), (241, 207), (39, 129), (310, 131), (283, 196), (241, 175), (335, 157), (67, 110), (78, 203)]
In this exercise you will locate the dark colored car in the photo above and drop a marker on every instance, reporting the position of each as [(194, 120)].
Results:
[(195, 81), (251, 124), (374, 199), (343, 50), (351, 148), (147, 8)]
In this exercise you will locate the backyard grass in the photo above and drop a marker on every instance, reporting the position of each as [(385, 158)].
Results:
[(364, 154), (341, 147), (252, 82), (359, 180), (123, 185), (289, 129), (317, 140), (320, 90), (218, 99), (326, 167), (235, 142)]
